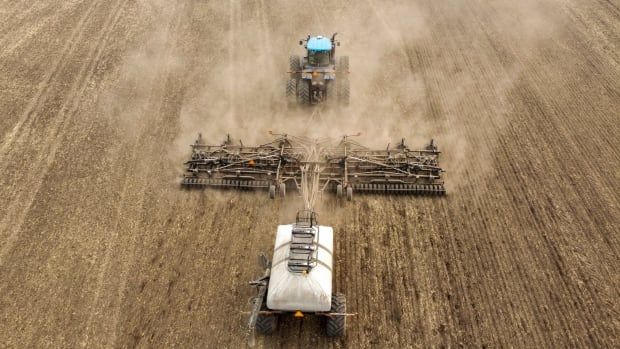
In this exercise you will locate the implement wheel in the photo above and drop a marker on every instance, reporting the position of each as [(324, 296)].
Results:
[(272, 191), (282, 190), (335, 325), (349, 193), (266, 324), (339, 191)]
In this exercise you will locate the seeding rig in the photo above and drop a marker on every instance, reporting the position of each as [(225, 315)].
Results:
[(345, 167)]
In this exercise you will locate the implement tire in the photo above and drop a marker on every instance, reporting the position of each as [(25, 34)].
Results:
[(335, 325), (266, 324), (339, 190)]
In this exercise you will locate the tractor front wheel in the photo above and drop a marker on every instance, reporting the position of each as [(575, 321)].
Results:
[(294, 64)]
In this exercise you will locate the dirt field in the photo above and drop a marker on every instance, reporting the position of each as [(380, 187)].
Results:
[(100, 98)]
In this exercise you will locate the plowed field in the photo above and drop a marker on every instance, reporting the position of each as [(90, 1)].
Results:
[(100, 248)]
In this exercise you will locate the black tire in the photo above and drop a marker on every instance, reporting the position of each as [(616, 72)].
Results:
[(272, 191), (266, 324), (291, 91), (343, 65), (335, 325), (331, 93), (303, 92), (343, 91), (349, 193), (294, 65)]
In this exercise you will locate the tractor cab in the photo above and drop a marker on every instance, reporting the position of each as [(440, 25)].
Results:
[(319, 51)]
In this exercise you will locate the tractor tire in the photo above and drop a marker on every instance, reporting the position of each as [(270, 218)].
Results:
[(294, 65), (339, 190), (343, 91), (266, 324), (291, 91), (335, 325), (303, 92), (272, 191), (349, 193), (343, 65), (331, 94)]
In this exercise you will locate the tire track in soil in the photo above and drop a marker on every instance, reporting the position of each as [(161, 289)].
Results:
[(44, 89), (497, 263), (101, 322), (525, 190), (19, 207), (18, 15), (25, 31)]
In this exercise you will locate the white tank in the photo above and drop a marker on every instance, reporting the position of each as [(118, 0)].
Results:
[(307, 290)]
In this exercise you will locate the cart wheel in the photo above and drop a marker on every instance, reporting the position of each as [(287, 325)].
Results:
[(335, 326), (272, 191), (339, 190), (282, 190), (266, 324), (349, 193)]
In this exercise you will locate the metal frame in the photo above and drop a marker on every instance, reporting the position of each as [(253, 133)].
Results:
[(346, 166)]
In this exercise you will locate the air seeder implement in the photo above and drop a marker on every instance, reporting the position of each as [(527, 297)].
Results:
[(346, 167), (298, 280)]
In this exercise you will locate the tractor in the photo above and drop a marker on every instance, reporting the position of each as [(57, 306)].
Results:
[(318, 76)]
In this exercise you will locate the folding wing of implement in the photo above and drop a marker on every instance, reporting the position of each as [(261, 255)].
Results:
[(343, 167)]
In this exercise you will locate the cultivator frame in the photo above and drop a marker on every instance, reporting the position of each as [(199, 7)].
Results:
[(343, 168)]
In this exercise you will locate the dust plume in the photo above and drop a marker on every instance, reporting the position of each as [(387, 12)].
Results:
[(404, 82)]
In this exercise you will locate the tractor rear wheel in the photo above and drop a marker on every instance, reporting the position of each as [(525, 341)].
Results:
[(303, 92), (335, 325), (343, 91), (291, 91)]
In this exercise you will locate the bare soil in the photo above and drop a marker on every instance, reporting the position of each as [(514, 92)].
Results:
[(100, 248)]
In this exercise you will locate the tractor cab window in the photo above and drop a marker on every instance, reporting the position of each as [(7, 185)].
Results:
[(318, 58)]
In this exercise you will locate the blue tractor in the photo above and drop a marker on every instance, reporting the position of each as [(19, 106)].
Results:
[(318, 76)]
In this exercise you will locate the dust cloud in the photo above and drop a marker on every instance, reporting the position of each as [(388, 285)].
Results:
[(236, 78)]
